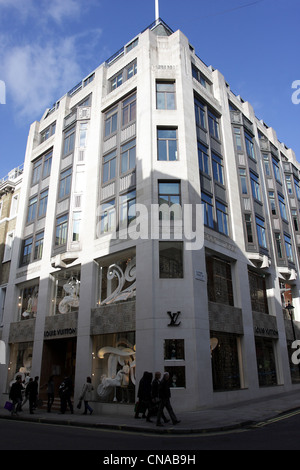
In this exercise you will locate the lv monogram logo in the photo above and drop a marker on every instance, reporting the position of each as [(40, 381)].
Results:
[(174, 317)]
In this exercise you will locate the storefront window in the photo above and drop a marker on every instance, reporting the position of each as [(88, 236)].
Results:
[(20, 361), (28, 302), (114, 367), (174, 350), (177, 376), (219, 281), (266, 364), (258, 292), (66, 291), (225, 361)]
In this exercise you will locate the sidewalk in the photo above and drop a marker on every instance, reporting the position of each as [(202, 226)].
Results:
[(203, 421)]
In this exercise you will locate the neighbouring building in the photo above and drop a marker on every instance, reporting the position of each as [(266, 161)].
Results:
[(105, 278)]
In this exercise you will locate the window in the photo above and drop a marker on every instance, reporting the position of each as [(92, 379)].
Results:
[(222, 218), (213, 124), (127, 209), (266, 362), (272, 202), (171, 260), (26, 251), (200, 114), (82, 134), (276, 169), (225, 362), (129, 110), (65, 183), (249, 232), (111, 122), (238, 140), (47, 165), (69, 141), (288, 248), (282, 206), (36, 172), (123, 75), (297, 187), (167, 144), (200, 78), (219, 281), (249, 146), (203, 159), (258, 292), (48, 132), (128, 154), (243, 180), (217, 164), (108, 217), (289, 184), (61, 230), (165, 95), (76, 226), (267, 165), (38, 246), (32, 209), (261, 232), (8, 246), (295, 219), (278, 245), (208, 210), (169, 195), (109, 166), (43, 203), (255, 186)]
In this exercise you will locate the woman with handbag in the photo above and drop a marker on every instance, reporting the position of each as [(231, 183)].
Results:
[(87, 395)]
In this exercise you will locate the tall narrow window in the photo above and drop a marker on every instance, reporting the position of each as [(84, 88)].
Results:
[(255, 186), (169, 196), (213, 124), (276, 169), (76, 226), (61, 230), (200, 114), (249, 230), (43, 203), (282, 207), (278, 245), (167, 144), (165, 95), (272, 202), (288, 248), (109, 166), (208, 210), (111, 122), (243, 180), (249, 145), (222, 218), (108, 217), (261, 232), (295, 219), (127, 209), (129, 110), (128, 154), (26, 251), (171, 260), (217, 164), (32, 208), (238, 140), (69, 141), (47, 165), (203, 158), (267, 165), (38, 246), (65, 183), (36, 171)]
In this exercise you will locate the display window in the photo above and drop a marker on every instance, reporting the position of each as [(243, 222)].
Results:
[(20, 361), (225, 361), (114, 360), (66, 291), (28, 302)]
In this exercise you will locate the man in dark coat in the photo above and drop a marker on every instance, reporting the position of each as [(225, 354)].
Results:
[(32, 391), (65, 393), (165, 395), (144, 396), (15, 395)]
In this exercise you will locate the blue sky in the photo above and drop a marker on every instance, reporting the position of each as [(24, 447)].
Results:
[(48, 46)]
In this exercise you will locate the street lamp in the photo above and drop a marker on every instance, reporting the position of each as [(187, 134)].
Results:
[(290, 309)]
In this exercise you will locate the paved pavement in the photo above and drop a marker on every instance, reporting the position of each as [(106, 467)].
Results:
[(204, 421)]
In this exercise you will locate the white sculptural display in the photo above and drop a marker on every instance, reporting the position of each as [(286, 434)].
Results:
[(114, 271), (72, 298), (122, 356)]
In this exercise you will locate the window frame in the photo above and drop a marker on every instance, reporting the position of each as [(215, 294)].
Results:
[(167, 147)]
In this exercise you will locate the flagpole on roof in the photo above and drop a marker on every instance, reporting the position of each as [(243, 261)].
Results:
[(156, 10)]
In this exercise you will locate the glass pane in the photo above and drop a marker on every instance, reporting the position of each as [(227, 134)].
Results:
[(162, 150), (172, 150)]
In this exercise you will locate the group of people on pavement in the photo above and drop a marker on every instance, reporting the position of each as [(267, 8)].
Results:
[(16, 394), (153, 397)]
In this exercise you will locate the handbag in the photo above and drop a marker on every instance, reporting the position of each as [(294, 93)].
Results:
[(79, 404), (8, 406)]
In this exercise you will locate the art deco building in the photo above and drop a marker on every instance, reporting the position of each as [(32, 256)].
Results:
[(111, 276)]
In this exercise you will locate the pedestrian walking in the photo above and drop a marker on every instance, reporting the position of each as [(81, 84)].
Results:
[(87, 395), (15, 395), (32, 391), (65, 393), (155, 397), (165, 396), (50, 393), (144, 396)]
